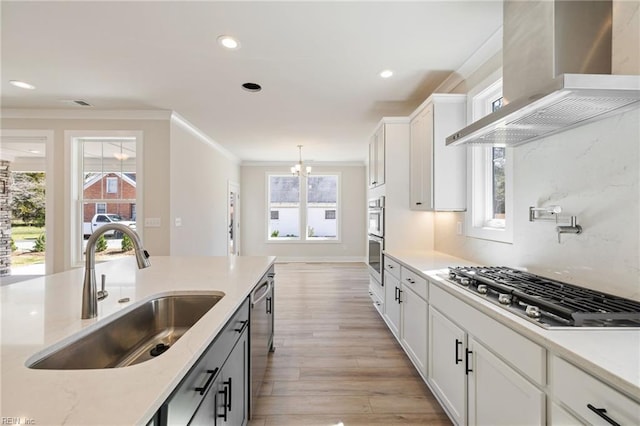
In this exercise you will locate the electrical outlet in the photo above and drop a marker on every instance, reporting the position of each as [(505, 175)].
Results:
[(459, 228), (178, 221), (152, 222)]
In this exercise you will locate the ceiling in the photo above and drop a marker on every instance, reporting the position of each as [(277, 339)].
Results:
[(318, 64)]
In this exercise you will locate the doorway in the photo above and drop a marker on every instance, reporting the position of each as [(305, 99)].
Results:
[(233, 219)]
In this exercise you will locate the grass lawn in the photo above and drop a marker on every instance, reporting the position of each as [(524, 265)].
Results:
[(26, 232), (26, 258)]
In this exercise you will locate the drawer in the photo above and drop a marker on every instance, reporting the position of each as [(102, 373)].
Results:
[(577, 389), (377, 302), (392, 267), (185, 399), (376, 287), (521, 353), (413, 281)]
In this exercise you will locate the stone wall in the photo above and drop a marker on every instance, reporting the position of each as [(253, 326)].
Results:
[(5, 220)]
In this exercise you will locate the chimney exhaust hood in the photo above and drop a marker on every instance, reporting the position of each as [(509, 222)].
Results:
[(556, 73)]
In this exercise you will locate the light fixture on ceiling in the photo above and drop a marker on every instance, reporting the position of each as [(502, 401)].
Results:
[(120, 156), (252, 87), (22, 84), (34, 151), (386, 73), (228, 42), (298, 169)]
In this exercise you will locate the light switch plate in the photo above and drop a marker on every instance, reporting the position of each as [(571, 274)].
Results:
[(178, 221), (459, 228), (152, 222)]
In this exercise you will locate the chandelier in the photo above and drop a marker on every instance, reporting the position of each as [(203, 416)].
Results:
[(297, 169)]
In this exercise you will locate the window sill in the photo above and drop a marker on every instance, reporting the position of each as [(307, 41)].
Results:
[(298, 241), (500, 235)]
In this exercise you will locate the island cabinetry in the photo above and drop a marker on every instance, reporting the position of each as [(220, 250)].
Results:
[(475, 384), (587, 398), (437, 172), (215, 389), (377, 157)]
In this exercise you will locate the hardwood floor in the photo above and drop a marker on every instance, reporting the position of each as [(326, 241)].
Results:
[(336, 363)]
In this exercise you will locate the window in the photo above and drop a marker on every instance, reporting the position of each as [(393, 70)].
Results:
[(101, 208), (303, 208), (112, 185), (490, 177)]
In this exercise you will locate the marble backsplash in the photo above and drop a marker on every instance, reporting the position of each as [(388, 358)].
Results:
[(592, 172)]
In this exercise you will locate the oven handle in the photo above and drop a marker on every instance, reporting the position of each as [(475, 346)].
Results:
[(254, 300), (375, 238)]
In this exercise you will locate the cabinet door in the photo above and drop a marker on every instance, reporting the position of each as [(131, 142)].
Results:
[(447, 343), (372, 162), (414, 328), (391, 306), (498, 395), (235, 379), (380, 157), (421, 160)]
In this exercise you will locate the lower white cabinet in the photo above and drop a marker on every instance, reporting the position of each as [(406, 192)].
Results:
[(592, 401), (475, 386), (392, 293), (414, 328)]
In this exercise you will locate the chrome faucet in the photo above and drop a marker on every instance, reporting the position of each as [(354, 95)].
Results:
[(572, 228), (89, 292)]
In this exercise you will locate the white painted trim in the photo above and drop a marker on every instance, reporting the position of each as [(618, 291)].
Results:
[(48, 141), (321, 259), (178, 119), (233, 186), (72, 210), (92, 114), (441, 98), (488, 49)]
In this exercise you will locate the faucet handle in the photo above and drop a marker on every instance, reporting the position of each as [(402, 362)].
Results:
[(102, 294)]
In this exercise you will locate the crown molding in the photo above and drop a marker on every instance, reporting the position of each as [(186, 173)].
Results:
[(68, 114), (181, 121)]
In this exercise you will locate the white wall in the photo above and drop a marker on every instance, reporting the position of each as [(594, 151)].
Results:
[(200, 173), (156, 177), (592, 172), (352, 246)]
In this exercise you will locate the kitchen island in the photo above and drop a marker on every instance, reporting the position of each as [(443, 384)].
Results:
[(42, 312)]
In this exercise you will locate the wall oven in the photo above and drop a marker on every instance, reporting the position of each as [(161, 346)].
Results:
[(376, 236)]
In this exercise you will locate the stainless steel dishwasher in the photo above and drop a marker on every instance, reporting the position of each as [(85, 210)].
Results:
[(261, 333)]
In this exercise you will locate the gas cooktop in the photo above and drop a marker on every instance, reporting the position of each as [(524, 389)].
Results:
[(546, 302)]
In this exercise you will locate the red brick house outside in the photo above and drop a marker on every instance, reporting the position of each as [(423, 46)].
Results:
[(116, 186)]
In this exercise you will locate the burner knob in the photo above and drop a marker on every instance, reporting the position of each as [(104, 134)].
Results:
[(504, 299), (452, 275), (533, 311), (464, 281), (482, 289)]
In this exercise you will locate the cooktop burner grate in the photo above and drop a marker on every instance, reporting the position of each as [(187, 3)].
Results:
[(558, 303)]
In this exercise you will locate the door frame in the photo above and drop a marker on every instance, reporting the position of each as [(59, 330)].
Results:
[(233, 187)]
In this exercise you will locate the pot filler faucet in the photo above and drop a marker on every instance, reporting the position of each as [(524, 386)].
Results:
[(89, 292)]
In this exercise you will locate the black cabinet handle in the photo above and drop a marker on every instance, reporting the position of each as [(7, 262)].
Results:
[(602, 412), (399, 296), (228, 382), (395, 297), (467, 368), (410, 281), (458, 345), (418, 204), (241, 329), (223, 392), (203, 389), (269, 305)]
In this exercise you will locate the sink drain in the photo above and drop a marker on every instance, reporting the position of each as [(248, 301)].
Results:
[(159, 349)]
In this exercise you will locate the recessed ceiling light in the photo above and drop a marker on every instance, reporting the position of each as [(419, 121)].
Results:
[(22, 84), (252, 87), (386, 73), (228, 42)]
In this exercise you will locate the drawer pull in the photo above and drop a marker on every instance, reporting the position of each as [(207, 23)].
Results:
[(390, 266), (602, 412), (458, 345), (411, 281), (203, 389)]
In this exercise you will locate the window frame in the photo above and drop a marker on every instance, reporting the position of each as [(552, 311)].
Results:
[(108, 184), (104, 208), (480, 176), (303, 220)]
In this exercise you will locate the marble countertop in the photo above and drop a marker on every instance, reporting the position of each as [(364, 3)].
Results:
[(613, 355), (41, 312)]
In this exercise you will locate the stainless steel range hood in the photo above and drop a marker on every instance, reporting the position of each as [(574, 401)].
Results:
[(556, 73)]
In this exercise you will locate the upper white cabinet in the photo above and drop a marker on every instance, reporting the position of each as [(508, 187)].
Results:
[(377, 157), (438, 173)]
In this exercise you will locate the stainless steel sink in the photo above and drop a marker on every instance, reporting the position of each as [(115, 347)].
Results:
[(140, 334)]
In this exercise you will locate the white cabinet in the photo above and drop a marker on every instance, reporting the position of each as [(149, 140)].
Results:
[(392, 294), (406, 314), (593, 401), (498, 395), (437, 172), (475, 385), (377, 157)]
